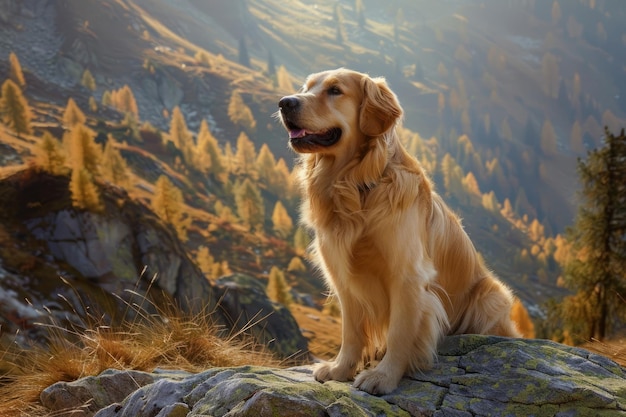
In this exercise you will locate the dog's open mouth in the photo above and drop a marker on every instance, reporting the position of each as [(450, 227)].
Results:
[(302, 138)]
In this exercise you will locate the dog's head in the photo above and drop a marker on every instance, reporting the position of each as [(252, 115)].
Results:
[(338, 111)]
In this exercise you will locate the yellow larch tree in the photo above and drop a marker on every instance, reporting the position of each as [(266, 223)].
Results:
[(14, 109)]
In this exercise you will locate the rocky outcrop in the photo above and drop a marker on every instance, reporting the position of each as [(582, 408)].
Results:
[(125, 251), (474, 376)]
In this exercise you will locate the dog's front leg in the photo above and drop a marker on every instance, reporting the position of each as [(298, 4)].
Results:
[(416, 323), (343, 367)]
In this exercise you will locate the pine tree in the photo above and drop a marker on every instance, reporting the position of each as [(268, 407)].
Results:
[(239, 112), (88, 81), (180, 136), (15, 71), (245, 158), (281, 220), (107, 99), (597, 268), (266, 165), (85, 194), (168, 204), (123, 100), (296, 265), (14, 109), (250, 205), (208, 155), (50, 155), (83, 150), (281, 183), (277, 288), (73, 115), (114, 166)]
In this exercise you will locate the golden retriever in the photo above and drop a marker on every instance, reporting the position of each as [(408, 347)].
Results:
[(404, 270)]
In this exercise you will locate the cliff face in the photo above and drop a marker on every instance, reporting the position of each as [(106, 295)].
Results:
[(474, 376)]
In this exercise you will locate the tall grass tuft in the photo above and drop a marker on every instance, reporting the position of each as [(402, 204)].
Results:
[(150, 335)]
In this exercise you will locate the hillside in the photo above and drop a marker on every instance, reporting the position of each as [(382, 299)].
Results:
[(492, 92)]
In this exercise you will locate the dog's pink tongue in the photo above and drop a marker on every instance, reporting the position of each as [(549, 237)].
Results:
[(296, 133)]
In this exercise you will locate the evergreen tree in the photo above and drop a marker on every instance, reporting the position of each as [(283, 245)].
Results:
[(14, 109), (50, 155), (93, 104), (281, 220), (277, 288), (15, 71), (114, 167), (281, 184), (296, 265), (180, 136), (73, 115), (245, 158), (250, 205), (548, 139), (83, 150), (265, 165), (107, 99), (88, 81), (209, 159), (123, 100), (597, 268), (85, 194), (168, 204), (239, 112)]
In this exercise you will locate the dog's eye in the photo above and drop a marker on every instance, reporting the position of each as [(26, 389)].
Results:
[(334, 91)]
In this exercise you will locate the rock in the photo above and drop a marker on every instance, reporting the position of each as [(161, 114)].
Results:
[(242, 300), (128, 252), (474, 376)]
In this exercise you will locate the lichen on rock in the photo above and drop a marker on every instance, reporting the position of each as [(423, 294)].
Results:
[(474, 376)]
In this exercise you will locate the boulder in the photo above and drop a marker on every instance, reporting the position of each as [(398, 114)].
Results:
[(242, 301), (474, 376)]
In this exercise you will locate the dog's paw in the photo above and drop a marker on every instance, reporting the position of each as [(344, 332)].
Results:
[(327, 371), (376, 382)]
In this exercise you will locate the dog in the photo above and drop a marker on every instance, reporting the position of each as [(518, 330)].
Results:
[(398, 259)]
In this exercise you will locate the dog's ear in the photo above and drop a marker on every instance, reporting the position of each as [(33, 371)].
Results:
[(380, 108)]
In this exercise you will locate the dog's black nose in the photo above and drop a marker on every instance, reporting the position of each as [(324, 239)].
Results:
[(288, 104)]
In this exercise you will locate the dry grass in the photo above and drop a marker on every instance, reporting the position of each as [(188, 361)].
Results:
[(168, 339), (614, 349)]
